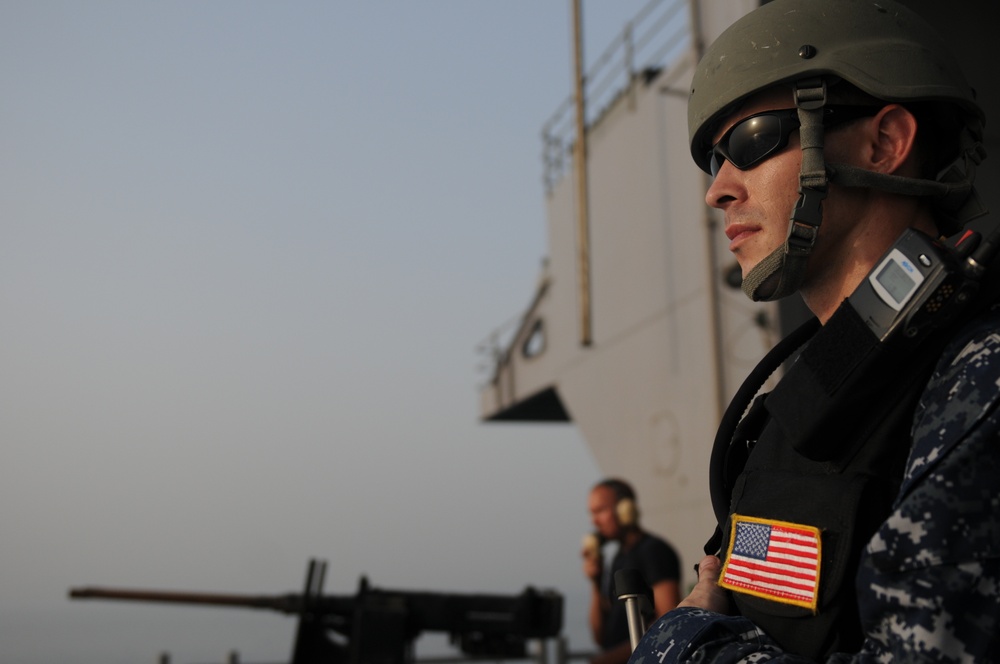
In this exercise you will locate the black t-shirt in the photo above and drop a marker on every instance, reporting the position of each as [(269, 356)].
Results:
[(656, 561)]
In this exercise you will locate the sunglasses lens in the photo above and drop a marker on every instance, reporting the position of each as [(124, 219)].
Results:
[(754, 139), (715, 159), (747, 143)]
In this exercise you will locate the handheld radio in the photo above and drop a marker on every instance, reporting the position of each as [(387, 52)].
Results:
[(920, 283)]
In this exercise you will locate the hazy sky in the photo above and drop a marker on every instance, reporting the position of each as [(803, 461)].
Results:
[(248, 251)]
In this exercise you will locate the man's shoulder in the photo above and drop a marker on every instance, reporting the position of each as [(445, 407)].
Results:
[(658, 562), (652, 540), (654, 547), (961, 394), (969, 368), (983, 325)]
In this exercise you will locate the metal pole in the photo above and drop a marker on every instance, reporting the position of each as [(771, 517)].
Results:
[(632, 589), (562, 650), (636, 625), (582, 201)]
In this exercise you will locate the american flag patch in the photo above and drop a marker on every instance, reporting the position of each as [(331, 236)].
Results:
[(773, 559)]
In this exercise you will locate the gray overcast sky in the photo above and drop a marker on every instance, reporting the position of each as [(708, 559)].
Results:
[(248, 251)]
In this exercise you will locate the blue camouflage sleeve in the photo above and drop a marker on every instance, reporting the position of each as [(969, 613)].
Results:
[(929, 580), (695, 635), (929, 583)]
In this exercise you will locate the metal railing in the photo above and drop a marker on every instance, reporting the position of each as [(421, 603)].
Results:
[(657, 36)]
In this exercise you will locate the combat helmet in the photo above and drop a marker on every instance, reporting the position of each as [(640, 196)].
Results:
[(880, 47)]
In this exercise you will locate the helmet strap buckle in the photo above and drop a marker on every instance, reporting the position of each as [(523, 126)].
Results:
[(782, 273)]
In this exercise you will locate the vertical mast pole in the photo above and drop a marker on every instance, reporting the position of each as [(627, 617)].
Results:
[(582, 194)]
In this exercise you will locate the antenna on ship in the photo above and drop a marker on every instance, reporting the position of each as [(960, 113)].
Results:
[(582, 193)]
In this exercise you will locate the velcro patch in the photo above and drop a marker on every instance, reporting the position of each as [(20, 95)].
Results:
[(775, 560)]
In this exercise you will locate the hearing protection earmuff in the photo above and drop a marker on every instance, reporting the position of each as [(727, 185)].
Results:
[(627, 512)]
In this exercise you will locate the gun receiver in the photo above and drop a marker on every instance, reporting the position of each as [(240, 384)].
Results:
[(378, 626)]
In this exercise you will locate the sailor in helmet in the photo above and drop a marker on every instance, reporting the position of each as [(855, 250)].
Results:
[(857, 502)]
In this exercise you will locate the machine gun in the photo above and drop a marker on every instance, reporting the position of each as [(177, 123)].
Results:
[(379, 626)]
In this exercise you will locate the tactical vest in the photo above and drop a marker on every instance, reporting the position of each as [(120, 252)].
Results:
[(802, 478), (806, 478)]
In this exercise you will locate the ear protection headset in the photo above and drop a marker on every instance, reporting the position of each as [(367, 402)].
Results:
[(626, 510)]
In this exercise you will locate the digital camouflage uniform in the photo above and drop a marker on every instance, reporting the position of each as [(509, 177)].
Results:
[(929, 580)]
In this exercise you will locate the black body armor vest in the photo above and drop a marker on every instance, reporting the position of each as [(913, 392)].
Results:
[(812, 454), (822, 456)]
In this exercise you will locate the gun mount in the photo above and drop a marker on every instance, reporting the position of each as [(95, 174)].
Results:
[(377, 626)]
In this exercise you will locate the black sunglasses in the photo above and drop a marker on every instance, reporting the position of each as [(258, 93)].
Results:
[(755, 138)]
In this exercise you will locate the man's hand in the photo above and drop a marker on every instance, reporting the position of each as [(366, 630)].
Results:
[(707, 594), (593, 564), (593, 561)]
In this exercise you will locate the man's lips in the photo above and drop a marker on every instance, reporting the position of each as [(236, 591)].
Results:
[(739, 232)]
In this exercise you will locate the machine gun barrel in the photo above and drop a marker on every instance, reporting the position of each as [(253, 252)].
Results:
[(290, 603)]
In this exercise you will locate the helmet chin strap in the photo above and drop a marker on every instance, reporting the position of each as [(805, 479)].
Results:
[(955, 200), (781, 273)]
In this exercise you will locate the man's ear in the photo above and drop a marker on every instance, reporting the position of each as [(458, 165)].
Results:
[(893, 141)]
